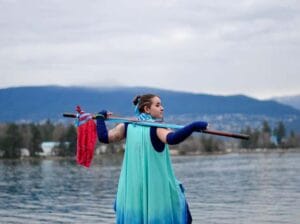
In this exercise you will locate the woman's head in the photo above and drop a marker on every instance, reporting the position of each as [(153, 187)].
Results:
[(150, 104)]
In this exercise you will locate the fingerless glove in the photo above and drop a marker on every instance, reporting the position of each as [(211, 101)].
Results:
[(101, 127), (181, 134)]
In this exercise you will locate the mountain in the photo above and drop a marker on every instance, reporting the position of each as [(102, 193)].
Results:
[(293, 101), (49, 102)]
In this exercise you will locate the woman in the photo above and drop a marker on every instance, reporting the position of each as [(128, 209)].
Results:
[(148, 191)]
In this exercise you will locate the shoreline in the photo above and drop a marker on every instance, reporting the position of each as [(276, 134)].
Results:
[(173, 153)]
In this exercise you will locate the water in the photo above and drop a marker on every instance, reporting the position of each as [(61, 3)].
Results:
[(233, 188)]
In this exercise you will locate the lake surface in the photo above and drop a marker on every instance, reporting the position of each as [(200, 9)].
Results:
[(223, 189)]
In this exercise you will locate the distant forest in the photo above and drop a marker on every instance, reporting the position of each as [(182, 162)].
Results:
[(14, 137)]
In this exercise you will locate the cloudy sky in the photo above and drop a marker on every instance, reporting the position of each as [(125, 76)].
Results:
[(219, 47)]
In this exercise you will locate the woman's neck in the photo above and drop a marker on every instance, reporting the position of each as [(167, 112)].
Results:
[(144, 117)]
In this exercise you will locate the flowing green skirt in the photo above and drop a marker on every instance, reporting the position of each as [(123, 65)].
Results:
[(148, 191)]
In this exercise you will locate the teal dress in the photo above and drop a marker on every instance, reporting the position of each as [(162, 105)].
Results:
[(148, 191)]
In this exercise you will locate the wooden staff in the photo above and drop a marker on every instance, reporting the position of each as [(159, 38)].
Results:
[(162, 125)]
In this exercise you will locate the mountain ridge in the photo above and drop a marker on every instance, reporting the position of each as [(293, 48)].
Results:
[(292, 100), (49, 102)]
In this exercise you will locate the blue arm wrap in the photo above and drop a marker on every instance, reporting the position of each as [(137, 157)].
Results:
[(101, 128), (181, 134)]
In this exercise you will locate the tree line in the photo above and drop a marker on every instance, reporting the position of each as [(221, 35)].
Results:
[(270, 138), (14, 137)]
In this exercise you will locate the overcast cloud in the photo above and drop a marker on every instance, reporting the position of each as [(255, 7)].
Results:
[(250, 47)]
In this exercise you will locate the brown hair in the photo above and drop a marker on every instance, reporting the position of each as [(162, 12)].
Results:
[(143, 100)]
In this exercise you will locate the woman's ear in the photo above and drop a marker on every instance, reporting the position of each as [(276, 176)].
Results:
[(147, 109)]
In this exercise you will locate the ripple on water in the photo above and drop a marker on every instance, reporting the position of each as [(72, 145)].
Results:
[(234, 188)]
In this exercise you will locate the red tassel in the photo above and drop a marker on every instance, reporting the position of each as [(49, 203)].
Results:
[(86, 139)]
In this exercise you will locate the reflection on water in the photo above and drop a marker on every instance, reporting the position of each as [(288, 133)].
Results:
[(233, 188)]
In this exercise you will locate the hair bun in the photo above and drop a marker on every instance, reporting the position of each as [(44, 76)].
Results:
[(136, 100)]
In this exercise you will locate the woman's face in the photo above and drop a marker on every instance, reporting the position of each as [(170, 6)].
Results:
[(156, 109)]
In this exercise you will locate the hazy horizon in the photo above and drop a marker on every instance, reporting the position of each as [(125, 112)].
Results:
[(167, 89)]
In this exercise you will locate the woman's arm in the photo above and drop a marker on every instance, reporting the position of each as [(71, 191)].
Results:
[(162, 134), (117, 133), (169, 137), (108, 136)]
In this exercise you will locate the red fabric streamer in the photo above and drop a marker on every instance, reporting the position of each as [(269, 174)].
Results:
[(86, 138)]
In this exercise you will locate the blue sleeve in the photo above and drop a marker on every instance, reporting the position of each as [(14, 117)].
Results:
[(180, 135), (101, 128), (126, 127), (157, 144)]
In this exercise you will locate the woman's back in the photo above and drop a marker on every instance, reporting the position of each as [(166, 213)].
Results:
[(148, 191)]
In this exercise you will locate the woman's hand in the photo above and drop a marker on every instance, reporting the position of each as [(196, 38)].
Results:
[(104, 114), (200, 125)]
